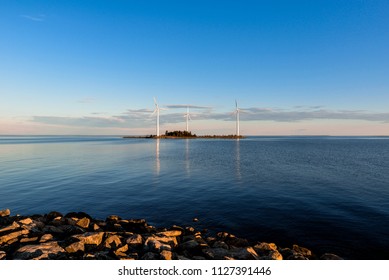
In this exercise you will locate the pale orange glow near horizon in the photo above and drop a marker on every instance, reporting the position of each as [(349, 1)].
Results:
[(313, 127)]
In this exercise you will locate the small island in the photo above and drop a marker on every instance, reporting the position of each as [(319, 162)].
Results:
[(186, 135)]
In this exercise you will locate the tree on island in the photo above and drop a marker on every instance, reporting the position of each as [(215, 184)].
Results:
[(179, 133)]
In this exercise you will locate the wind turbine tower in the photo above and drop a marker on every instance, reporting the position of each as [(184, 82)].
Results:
[(187, 116), (237, 111), (157, 109)]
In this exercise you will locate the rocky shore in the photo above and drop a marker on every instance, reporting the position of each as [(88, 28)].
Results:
[(77, 236)]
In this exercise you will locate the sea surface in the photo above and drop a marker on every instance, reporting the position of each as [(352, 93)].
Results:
[(329, 194)]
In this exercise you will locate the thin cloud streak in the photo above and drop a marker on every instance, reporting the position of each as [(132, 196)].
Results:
[(82, 121), (39, 18), (255, 114), (143, 117), (184, 106), (87, 100)]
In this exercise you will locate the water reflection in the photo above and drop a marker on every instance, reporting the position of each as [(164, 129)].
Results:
[(237, 160), (187, 160), (157, 161)]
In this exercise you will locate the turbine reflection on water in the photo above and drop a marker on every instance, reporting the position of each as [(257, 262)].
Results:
[(157, 161), (187, 161), (237, 160)]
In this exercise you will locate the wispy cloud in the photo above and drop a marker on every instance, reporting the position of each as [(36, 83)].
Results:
[(34, 18), (184, 106), (278, 115), (86, 100), (143, 117), (98, 113), (81, 121)]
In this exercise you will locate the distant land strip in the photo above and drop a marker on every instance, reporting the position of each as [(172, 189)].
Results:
[(186, 135)]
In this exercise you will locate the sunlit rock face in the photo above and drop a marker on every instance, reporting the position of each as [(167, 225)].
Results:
[(77, 236)]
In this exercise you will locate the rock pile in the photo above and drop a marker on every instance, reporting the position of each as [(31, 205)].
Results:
[(76, 236)]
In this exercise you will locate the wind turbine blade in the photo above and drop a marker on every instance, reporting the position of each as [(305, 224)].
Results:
[(155, 102), (236, 104)]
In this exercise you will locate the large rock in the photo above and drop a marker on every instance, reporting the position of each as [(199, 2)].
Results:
[(96, 227), (29, 239), (46, 237), (234, 253), (223, 235), (189, 245), (58, 221), (289, 254), (154, 245), (75, 247), (166, 255), (172, 241), (34, 227), (52, 215), (9, 228), (90, 238), (84, 223), (215, 253), (52, 229), (113, 218), (121, 252), (5, 221), (134, 240), (135, 225), (247, 253), (5, 213), (78, 215), (272, 255), (12, 236), (49, 250), (26, 221), (112, 241), (237, 242), (170, 233), (265, 247), (71, 229), (268, 251), (303, 251)]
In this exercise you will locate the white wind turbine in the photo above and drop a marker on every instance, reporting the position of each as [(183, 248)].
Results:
[(187, 116), (237, 111), (156, 110)]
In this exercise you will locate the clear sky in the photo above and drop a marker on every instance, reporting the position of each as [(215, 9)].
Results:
[(295, 67)]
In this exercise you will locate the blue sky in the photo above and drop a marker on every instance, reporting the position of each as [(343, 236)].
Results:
[(295, 67)]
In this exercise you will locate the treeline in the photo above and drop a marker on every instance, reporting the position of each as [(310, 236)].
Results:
[(179, 133), (231, 136)]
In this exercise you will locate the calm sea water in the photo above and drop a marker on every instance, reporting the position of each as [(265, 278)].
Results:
[(330, 194)]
